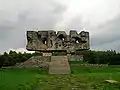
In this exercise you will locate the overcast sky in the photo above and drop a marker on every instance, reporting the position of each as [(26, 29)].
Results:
[(99, 17)]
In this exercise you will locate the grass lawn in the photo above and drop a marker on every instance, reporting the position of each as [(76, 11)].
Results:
[(81, 78)]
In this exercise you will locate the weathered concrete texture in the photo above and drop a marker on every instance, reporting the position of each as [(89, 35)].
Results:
[(36, 61), (75, 57), (59, 65), (52, 41), (47, 54)]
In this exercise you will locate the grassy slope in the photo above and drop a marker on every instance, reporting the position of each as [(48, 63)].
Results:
[(81, 78)]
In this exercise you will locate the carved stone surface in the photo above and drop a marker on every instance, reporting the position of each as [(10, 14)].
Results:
[(48, 41)]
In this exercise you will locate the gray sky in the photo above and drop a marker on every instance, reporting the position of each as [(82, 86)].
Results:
[(100, 17)]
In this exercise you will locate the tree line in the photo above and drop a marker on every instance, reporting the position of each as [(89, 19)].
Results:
[(110, 57), (11, 58), (93, 57)]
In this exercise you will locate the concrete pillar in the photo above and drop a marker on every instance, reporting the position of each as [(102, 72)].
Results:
[(47, 54), (69, 56)]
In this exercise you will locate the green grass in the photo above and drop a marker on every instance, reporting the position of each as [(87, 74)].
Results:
[(14, 79), (81, 78)]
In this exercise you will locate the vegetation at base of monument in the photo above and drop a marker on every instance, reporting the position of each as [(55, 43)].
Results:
[(81, 78), (93, 57), (11, 58)]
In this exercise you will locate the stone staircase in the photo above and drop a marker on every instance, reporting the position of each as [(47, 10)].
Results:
[(59, 65)]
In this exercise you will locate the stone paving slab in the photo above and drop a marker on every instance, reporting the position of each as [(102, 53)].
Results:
[(59, 65)]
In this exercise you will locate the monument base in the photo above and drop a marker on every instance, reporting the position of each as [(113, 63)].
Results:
[(55, 64), (59, 65), (46, 54)]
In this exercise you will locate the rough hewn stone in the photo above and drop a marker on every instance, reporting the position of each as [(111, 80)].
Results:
[(36, 61), (50, 41)]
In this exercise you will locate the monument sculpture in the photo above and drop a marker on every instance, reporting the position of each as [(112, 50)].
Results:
[(52, 41), (48, 41)]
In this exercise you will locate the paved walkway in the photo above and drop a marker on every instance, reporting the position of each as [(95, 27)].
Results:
[(59, 65)]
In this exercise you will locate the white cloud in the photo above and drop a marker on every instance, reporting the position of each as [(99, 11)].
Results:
[(22, 50), (99, 17), (94, 11)]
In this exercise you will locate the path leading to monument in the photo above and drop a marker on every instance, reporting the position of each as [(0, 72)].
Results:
[(59, 65)]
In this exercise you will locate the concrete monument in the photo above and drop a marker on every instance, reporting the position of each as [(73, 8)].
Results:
[(48, 41)]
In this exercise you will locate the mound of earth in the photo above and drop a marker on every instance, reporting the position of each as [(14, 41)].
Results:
[(36, 61)]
